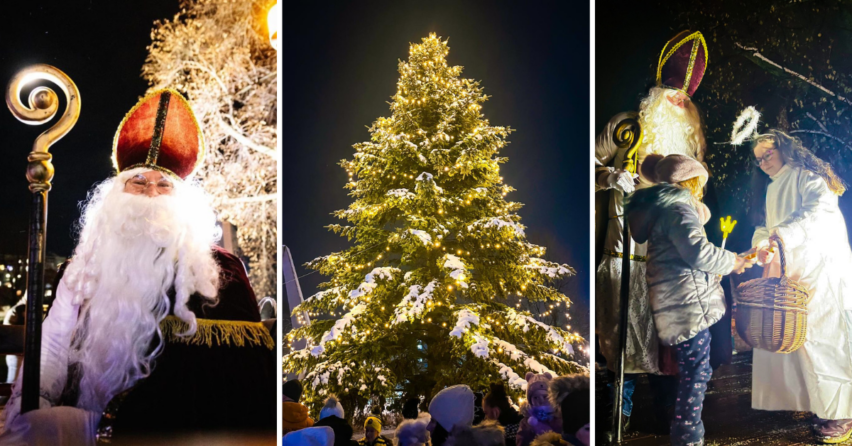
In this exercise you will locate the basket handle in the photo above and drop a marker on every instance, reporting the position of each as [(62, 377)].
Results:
[(781, 253)]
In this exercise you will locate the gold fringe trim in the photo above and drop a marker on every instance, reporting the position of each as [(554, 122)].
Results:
[(227, 333)]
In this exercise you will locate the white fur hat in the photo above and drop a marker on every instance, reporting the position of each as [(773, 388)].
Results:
[(332, 407), (311, 436), (453, 406), (412, 433)]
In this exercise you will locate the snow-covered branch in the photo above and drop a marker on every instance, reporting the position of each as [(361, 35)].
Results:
[(756, 54), (254, 199), (242, 139)]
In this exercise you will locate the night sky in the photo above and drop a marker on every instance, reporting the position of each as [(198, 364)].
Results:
[(100, 44), (532, 59), (625, 68)]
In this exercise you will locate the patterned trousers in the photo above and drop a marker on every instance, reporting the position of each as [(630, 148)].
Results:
[(693, 358)]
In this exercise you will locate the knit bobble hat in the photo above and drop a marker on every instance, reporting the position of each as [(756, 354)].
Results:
[(311, 436), (412, 432), (332, 407), (373, 422), (453, 406), (676, 168)]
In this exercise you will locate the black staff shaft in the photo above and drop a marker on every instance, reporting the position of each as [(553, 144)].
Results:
[(624, 303), (35, 302)]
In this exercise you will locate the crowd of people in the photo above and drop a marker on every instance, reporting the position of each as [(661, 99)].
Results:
[(554, 411)]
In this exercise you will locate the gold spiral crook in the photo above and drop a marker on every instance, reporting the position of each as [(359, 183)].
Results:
[(628, 134), (42, 106)]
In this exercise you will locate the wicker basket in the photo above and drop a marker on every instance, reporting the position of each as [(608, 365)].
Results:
[(772, 312)]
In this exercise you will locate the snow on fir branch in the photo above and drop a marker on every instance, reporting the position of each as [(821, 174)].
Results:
[(459, 270), (422, 235), (400, 193), (523, 322), (465, 318), (414, 303), (515, 381), (549, 269), (369, 284), (338, 329), (479, 347), (517, 355), (499, 223)]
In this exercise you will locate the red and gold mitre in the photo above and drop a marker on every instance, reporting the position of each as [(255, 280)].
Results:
[(683, 62), (160, 132)]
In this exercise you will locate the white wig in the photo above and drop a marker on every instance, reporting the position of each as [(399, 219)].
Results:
[(133, 249), (668, 129)]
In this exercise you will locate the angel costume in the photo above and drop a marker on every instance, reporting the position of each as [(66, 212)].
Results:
[(803, 212)]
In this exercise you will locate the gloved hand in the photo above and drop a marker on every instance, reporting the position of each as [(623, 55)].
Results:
[(55, 343), (622, 180)]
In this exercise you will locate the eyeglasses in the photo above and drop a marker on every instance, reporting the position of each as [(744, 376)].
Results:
[(139, 184), (765, 158)]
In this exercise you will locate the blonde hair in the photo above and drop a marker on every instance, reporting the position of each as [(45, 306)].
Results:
[(695, 185)]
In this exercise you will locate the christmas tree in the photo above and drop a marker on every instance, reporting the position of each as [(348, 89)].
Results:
[(428, 295)]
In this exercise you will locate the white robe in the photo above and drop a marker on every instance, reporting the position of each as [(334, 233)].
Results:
[(642, 352), (816, 378)]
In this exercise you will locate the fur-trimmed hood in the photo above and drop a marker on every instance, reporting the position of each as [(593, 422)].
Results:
[(561, 386), (488, 433)]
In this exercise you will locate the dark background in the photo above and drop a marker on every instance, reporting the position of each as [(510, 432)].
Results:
[(340, 69), (101, 45), (629, 36), (812, 38)]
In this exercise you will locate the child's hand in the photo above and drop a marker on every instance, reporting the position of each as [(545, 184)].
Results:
[(744, 263)]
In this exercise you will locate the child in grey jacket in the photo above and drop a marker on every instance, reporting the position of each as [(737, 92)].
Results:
[(683, 272)]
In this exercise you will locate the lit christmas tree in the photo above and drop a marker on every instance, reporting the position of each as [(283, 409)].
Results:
[(428, 294)]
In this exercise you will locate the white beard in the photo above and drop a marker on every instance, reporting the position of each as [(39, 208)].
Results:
[(668, 129), (133, 249)]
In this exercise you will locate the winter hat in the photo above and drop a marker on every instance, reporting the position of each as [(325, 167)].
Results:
[(676, 168), (648, 165), (292, 389), (311, 436), (332, 407), (453, 406), (537, 384), (410, 409), (373, 422), (412, 433)]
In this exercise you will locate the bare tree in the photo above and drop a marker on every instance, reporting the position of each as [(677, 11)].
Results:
[(216, 53)]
